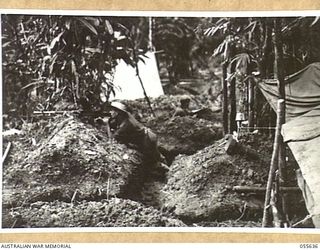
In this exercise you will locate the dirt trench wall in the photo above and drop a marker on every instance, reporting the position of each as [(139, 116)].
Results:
[(185, 135), (74, 162), (197, 186)]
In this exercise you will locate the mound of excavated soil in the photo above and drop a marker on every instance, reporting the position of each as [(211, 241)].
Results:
[(74, 162), (185, 135), (106, 213), (65, 173), (198, 186), (180, 135), (164, 107)]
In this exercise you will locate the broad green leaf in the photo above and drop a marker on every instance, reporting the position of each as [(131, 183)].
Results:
[(219, 49), (54, 58), (55, 40), (316, 19), (226, 51), (212, 31), (73, 67), (34, 83), (295, 23), (6, 44), (242, 62), (68, 24), (63, 65), (109, 27), (48, 49), (88, 25), (93, 50)]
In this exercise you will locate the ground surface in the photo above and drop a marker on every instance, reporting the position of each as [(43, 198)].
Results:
[(64, 172), (114, 212)]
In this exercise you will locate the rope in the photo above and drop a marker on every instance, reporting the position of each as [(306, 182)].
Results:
[(309, 216)]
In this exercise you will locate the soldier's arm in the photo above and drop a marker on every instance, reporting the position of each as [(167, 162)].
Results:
[(121, 129)]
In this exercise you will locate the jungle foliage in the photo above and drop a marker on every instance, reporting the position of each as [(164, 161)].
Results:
[(49, 58)]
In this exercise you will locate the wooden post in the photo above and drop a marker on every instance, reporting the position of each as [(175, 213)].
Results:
[(273, 165), (224, 97), (279, 72)]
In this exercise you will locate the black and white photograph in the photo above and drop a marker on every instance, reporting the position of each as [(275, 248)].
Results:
[(160, 120)]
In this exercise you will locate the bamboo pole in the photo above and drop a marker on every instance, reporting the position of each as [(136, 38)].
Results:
[(273, 165), (6, 152), (251, 103), (144, 91), (136, 58), (275, 210), (224, 98), (233, 104)]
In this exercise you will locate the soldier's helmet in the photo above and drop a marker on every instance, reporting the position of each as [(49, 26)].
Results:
[(119, 106), (185, 100)]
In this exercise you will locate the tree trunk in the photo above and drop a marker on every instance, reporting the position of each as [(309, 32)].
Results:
[(232, 100), (266, 52), (264, 67), (224, 97)]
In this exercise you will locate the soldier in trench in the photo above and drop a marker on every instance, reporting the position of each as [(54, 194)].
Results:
[(127, 130), (183, 109)]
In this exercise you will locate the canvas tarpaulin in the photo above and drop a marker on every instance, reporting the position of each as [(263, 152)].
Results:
[(302, 129), (303, 137), (127, 84), (302, 91)]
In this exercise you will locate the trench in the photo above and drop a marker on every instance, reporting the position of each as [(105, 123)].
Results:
[(145, 188)]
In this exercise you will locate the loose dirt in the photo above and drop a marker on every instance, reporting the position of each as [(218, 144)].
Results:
[(74, 162), (64, 172), (114, 212)]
